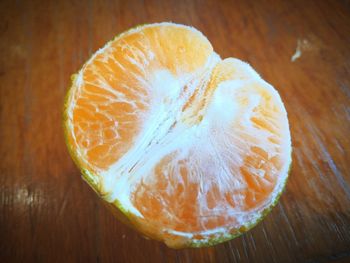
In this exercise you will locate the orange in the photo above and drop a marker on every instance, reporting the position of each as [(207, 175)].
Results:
[(186, 147)]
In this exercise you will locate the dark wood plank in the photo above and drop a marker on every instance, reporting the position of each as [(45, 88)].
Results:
[(48, 214)]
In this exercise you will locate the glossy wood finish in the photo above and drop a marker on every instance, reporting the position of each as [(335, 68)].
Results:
[(48, 214)]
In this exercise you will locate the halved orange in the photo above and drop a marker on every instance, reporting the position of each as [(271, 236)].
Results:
[(190, 149)]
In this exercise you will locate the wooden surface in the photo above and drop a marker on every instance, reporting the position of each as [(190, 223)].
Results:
[(48, 214)]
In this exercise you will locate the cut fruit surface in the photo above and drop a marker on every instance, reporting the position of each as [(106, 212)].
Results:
[(192, 149)]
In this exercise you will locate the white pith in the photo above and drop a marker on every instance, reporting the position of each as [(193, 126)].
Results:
[(167, 131)]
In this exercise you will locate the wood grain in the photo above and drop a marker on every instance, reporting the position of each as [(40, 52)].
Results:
[(48, 214)]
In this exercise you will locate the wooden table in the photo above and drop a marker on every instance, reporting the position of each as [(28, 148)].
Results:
[(48, 214)]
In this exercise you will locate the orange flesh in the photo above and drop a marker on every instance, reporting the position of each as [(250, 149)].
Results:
[(112, 101)]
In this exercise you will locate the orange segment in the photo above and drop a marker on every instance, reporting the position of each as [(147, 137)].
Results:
[(236, 162), (114, 86), (192, 148)]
